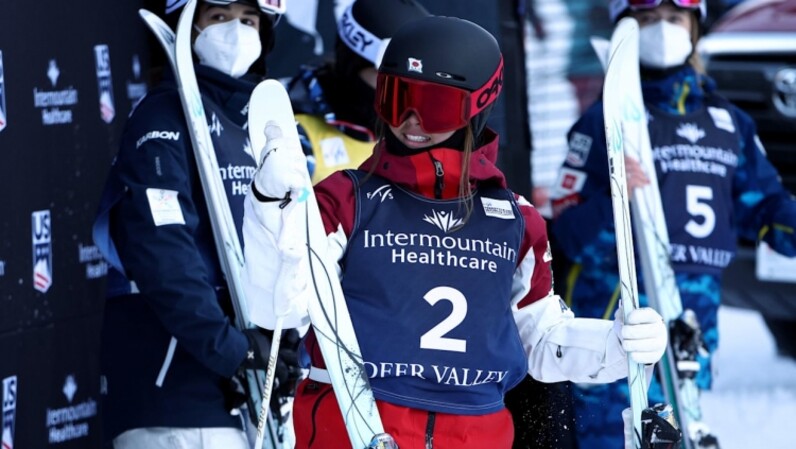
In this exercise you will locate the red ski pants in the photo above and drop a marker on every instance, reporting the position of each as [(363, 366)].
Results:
[(319, 425)]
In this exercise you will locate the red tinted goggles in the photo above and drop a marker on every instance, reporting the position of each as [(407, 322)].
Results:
[(439, 108), (649, 4)]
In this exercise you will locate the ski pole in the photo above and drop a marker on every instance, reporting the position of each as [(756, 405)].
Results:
[(290, 251)]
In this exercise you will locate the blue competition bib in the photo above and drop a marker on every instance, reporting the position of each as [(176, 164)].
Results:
[(431, 303), (236, 163), (696, 156)]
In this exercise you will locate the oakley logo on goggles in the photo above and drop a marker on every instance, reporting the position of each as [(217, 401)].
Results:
[(438, 107), (649, 4)]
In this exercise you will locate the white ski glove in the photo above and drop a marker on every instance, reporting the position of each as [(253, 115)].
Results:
[(291, 284), (283, 168), (644, 336)]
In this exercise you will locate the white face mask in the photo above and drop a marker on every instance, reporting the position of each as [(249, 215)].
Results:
[(663, 45), (230, 47)]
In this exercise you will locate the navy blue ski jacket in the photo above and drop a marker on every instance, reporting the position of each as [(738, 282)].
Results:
[(169, 346), (716, 186)]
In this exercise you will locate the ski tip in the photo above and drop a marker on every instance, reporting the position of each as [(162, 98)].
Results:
[(270, 83), (627, 22)]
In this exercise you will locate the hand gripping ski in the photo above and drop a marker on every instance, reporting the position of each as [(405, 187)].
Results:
[(327, 309), (652, 238), (624, 47)]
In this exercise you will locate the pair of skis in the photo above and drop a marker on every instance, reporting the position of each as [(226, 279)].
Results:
[(627, 134), (328, 312)]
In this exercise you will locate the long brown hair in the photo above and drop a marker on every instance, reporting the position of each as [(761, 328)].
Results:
[(696, 32)]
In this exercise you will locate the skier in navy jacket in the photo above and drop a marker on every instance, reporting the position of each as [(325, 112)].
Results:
[(716, 186), (445, 271), (170, 352)]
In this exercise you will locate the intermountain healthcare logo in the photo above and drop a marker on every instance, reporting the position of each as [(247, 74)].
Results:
[(102, 56), (443, 220), (9, 410), (69, 423), (42, 250), (447, 250), (3, 120), (51, 102), (238, 177), (691, 132), (96, 267), (136, 88)]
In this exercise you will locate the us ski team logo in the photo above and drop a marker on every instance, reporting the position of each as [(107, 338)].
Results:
[(42, 250), (3, 120), (9, 411), (102, 57)]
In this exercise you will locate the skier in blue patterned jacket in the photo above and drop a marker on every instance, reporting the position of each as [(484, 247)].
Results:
[(170, 352), (715, 182)]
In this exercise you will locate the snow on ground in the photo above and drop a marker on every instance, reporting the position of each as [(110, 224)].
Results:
[(753, 401)]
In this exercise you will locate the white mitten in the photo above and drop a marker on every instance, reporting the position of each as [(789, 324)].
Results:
[(291, 283), (644, 336), (283, 169)]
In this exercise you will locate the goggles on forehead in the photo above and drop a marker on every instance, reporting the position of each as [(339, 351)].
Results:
[(439, 108), (649, 4), (266, 6)]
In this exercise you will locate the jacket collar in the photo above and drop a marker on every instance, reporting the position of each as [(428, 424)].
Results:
[(416, 172)]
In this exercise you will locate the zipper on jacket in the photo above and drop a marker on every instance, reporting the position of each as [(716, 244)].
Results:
[(439, 173), (166, 362), (432, 416)]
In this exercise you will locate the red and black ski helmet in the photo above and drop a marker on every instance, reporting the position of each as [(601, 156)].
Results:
[(445, 69)]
